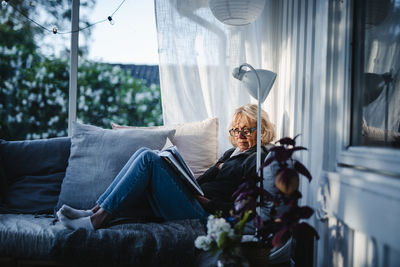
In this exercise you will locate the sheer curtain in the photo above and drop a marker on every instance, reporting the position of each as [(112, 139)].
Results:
[(197, 54), (382, 56)]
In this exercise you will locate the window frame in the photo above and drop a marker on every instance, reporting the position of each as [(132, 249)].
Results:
[(380, 160)]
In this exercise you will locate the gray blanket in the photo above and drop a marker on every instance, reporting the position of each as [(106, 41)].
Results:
[(135, 244)]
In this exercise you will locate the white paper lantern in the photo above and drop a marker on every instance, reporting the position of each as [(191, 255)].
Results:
[(236, 12)]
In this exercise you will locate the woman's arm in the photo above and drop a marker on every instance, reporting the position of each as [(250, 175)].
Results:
[(209, 174), (214, 170)]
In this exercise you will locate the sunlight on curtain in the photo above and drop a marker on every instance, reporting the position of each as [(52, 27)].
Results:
[(197, 54)]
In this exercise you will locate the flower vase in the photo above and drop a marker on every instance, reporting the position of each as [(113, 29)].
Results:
[(232, 258), (257, 256)]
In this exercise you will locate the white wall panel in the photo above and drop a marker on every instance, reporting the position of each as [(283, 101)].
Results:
[(358, 213)]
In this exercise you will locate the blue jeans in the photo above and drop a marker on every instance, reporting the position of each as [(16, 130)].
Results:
[(147, 174)]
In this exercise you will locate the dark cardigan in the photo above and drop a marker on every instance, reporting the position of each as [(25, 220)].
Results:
[(219, 184)]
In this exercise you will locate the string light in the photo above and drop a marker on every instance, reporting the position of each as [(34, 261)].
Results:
[(110, 19), (55, 30)]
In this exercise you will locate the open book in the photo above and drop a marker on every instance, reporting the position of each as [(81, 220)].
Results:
[(174, 158)]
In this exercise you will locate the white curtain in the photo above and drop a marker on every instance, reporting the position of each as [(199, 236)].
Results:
[(197, 54), (382, 55)]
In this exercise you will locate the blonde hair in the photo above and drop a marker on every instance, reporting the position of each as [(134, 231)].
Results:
[(248, 113)]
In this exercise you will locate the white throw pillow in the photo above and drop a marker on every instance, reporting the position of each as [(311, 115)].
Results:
[(196, 141)]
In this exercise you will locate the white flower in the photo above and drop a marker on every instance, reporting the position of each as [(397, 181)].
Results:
[(210, 222), (217, 228), (203, 242), (218, 225)]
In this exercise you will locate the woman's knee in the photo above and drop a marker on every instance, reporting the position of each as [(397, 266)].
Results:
[(138, 152), (149, 155), (142, 149)]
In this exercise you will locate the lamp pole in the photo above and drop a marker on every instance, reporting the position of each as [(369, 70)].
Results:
[(258, 158), (268, 78)]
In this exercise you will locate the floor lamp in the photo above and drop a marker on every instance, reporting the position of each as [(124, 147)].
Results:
[(258, 83)]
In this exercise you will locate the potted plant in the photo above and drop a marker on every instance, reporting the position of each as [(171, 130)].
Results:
[(251, 202), (282, 220)]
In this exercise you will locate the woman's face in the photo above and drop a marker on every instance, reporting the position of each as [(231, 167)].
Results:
[(243, 142)]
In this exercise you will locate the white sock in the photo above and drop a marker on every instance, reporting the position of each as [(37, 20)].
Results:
[(74, 213), (83, 222)]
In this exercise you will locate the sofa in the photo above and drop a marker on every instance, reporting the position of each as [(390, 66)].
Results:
[(38, 176)]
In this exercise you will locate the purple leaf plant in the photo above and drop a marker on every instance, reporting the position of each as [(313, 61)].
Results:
[(279, 227)]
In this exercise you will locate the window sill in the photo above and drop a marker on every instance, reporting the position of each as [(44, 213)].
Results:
[(383, 161)]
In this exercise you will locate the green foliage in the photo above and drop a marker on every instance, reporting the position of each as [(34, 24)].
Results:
[(34, 87), (109, 94), (49, 14), (34, 96), (32, 100)]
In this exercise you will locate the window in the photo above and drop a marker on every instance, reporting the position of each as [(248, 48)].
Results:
[(376, 80), (118, 78)]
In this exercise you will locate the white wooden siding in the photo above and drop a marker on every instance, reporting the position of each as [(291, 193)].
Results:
[(357, 211)]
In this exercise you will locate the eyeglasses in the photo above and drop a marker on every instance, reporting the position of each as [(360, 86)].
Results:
[(245, 131)]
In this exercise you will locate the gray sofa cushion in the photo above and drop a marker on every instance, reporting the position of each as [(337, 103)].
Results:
[(97, 156), (34, 157), (3, 181), (26, 236), (134, 244), (33, 172)]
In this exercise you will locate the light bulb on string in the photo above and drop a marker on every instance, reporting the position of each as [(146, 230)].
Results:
[(5, 4), (110, 19)]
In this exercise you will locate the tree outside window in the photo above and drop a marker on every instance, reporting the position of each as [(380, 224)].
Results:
[(34, 77)]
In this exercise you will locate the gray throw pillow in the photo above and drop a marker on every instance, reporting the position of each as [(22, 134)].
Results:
[(97, 155), (32, 172)]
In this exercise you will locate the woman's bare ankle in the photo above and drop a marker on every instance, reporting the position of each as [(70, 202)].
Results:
[(95, 208), (100, 218)]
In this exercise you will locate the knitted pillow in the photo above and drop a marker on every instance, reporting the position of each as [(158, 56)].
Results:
[(97, 155)]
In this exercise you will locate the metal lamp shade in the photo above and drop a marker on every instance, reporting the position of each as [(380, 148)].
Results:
[(249, 78), (236, 12)]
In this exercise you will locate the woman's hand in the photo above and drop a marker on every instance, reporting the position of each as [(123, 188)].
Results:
[(202, 200)]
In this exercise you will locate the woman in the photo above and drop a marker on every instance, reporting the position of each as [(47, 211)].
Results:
[(146, 174)]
